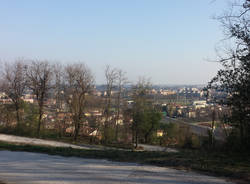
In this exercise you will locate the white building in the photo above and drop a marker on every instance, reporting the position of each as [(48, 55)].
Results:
[(200, 104)]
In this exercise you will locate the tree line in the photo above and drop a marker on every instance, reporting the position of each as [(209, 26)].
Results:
[(72, 88), (73, 85)]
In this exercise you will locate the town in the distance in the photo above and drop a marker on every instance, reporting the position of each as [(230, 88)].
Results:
[(142, 92)]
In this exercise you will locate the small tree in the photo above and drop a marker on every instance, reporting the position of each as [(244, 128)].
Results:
[(140, 92), (151, 124)]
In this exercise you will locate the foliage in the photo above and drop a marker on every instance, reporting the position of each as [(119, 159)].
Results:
[(7, 115), (145, 117), (28, 125), (150, 125), (176, 135)]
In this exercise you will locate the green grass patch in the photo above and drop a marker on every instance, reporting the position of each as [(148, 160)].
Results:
[(236, 166)]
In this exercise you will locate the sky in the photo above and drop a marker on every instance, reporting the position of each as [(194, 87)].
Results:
[(167, 41)]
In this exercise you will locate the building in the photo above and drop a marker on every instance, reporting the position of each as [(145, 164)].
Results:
[(199, 104)]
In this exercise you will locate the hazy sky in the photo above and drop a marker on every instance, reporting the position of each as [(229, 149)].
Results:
[(167, 40)]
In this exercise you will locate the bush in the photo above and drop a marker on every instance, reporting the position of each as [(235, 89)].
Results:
[(179, 136)]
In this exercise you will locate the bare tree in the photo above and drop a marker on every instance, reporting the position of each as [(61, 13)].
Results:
[(111, 78), (121, 81), (59, 97), (234, 76), (79, 82), (14, 84), (58, 85), (39, 77)]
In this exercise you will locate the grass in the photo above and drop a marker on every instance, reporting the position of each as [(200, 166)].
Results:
[(235, 166)]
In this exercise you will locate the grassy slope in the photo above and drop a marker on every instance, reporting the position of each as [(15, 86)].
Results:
[(220, 164)]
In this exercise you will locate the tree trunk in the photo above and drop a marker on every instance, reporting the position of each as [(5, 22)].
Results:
[(136, 139), (77, 127), (116, 126), (40, 118), (17, 116), (39, 124), (118, 113)]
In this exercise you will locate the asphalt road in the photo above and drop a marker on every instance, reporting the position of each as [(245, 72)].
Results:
[(35, 168), (197, 129)]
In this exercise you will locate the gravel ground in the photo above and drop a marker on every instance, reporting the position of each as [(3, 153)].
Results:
[(35, 168), (34, 141), (157, 148)]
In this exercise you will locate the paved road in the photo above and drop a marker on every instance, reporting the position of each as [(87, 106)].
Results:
[(34, 168), (197, 129), (147, 147)]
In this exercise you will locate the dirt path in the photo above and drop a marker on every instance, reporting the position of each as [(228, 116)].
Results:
[(35, 168)]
